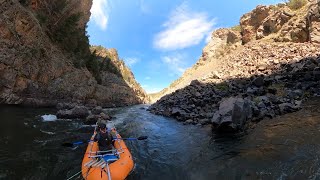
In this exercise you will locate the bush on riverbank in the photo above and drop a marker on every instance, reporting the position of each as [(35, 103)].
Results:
[(296, 4)]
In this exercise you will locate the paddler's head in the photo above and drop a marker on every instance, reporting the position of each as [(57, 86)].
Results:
[(102, 127)]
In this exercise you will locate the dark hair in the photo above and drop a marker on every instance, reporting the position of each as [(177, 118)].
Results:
[(102, 126)]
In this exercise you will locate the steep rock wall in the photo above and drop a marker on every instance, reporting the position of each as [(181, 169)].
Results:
[(37, 71)]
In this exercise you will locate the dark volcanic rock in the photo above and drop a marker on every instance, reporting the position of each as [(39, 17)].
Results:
[(65, 106), (93, 118), (232, 115), (96, 110), (259, 81), (76, 112), (288, 107)]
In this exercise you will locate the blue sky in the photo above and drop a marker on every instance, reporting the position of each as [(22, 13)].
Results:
[(159, 40)]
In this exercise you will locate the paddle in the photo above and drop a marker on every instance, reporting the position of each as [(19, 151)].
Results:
[(82, 142)]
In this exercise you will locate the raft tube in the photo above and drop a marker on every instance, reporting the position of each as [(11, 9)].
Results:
[(96, 168)]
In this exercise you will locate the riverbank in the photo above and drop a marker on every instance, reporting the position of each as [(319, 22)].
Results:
[(263, 68)]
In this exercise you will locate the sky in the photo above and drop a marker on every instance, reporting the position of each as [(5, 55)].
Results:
[(159, 40)]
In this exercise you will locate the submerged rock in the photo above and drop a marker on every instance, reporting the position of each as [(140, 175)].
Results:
[(93, 118), (96, 110), (76, 112)]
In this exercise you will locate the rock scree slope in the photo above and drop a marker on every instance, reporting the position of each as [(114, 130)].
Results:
[(262, 68)]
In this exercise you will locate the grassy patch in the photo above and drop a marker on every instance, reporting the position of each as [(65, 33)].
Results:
[(296, 4), (280, 89), (222, 86), (236, 28), (306, 94)]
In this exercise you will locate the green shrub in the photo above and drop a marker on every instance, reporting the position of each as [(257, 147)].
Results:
[(24, 2), (93, 66), (61, 25), (279, 87), (42, 19), (107, 65), (222, 86), (236, 28), (296, 4)]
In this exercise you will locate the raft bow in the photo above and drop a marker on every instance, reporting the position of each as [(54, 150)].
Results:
[(115, 164)]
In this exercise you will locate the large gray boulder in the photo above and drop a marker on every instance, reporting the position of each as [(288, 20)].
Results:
[(178, 112), (76, 112), (97, 110), (93, 118), (232, 115), (258, 82)]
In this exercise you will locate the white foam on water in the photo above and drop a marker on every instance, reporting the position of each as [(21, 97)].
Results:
[(49, 117), (47, 132)]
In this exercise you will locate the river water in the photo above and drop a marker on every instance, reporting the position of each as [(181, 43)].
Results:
[(286, 147)]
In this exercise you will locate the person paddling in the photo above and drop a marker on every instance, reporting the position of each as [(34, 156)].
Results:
[(104, 138)]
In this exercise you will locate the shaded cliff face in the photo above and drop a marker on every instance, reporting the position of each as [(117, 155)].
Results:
[(246, 74), (44, 56), (114, 71)]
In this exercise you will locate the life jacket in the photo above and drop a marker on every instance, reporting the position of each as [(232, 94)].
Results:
[(104, 141)]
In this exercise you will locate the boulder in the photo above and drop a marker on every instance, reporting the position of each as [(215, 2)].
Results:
[(316, 74), (96, 110), (204, 121), (242, 111), (104, 116), (261, 105), (61, 106), (232, 115), (76, 112), (258, 82), (80, 112), (93, 118), (177, 112), (216, 119), (189, 121), (295, 94), (226, 106), (288, 108), (65, 114)]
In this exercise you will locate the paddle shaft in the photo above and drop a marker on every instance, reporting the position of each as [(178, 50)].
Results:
[(82, 142)]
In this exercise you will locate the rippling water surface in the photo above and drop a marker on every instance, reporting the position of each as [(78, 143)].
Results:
[(282, 148)]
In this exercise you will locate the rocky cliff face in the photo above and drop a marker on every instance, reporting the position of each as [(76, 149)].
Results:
[(222, 42), (114, 71), (36, 66), (282, 24), (263, 68)]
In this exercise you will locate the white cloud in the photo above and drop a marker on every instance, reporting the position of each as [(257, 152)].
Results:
[(144, 8), (208, 38), (175, 63), (184, 28), (147, 78), (131, 61), (99, 13)]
